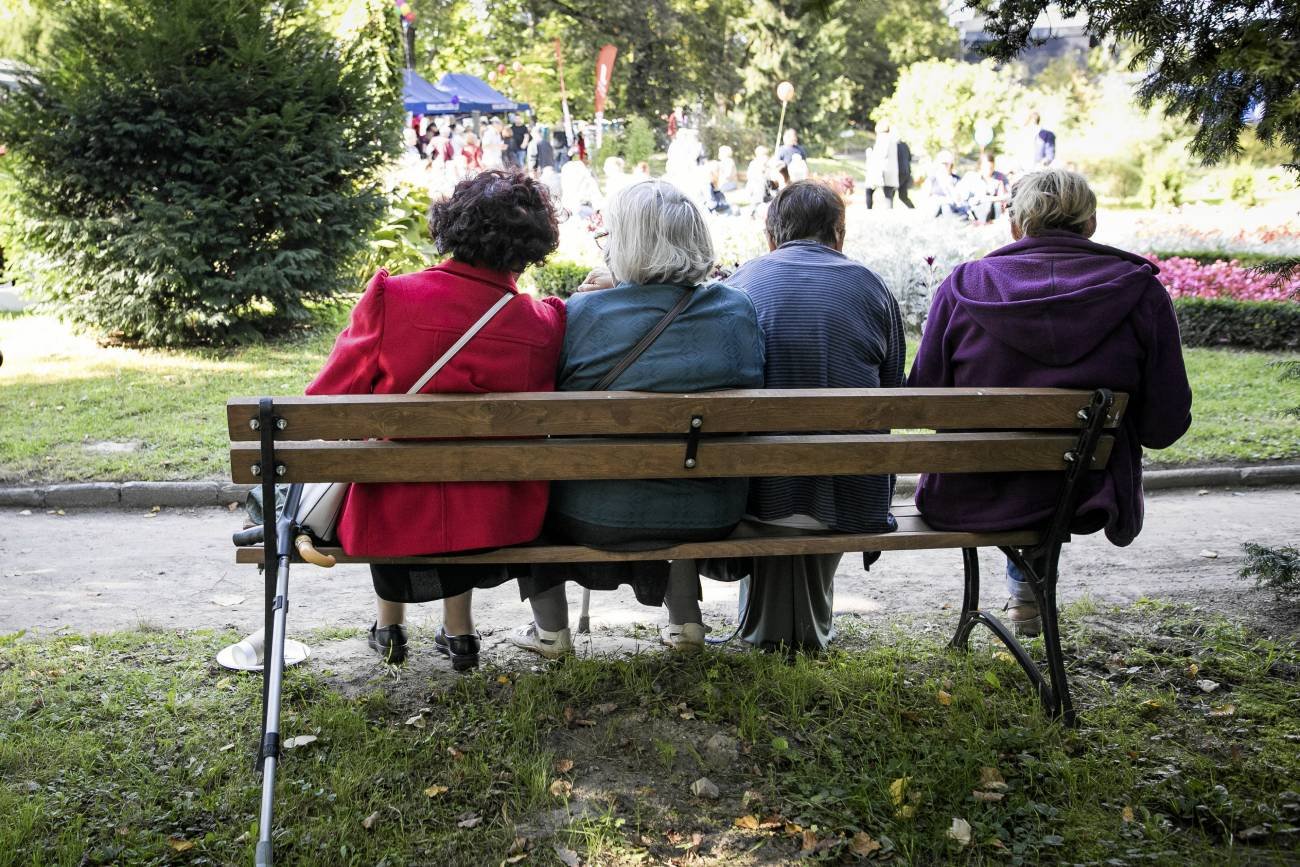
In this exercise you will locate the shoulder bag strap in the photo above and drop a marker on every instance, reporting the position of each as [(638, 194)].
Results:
[(460, 344), (610, 378)]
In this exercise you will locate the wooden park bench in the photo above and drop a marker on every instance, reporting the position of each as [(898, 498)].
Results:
[(634, 435)]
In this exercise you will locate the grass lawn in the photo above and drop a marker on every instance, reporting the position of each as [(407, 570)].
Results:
[(71, 410), (133, 748)]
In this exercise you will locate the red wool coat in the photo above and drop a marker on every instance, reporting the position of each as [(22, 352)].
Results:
[(399, 328)]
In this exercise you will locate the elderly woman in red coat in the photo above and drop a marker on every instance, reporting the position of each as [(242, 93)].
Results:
[(494, 226)]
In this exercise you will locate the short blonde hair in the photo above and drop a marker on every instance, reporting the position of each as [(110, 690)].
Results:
[(657, 235), (1052, 199)]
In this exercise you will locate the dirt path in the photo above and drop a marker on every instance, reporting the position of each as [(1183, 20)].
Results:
[(99, 571)]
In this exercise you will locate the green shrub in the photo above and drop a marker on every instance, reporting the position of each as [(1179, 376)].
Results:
[(197, 171), (1204, 257), (1119, 176), (401, 244), (1242, 190), (1278, 569), (1221, 322), (558, 277), (723, 129), (1163, 178), (638, 141)]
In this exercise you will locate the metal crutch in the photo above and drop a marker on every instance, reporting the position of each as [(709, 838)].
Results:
[(584, 619), (273, 673)]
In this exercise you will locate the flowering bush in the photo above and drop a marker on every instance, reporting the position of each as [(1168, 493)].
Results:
[(1187, 278)]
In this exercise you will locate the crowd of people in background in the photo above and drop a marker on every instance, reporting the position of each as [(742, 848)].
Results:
[(451, 149)]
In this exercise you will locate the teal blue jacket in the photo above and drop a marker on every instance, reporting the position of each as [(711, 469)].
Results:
[(714, 343)]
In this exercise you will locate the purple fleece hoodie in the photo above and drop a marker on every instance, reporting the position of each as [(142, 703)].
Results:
[(1056, 310)]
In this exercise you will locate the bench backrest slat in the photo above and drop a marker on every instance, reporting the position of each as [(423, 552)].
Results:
[(358, 417), (664, 458)]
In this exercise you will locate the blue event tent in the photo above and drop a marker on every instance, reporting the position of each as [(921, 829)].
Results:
[(421, 97), (475, 94)]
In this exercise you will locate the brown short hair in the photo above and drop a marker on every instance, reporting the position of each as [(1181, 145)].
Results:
[(806, 211), (500, 219)]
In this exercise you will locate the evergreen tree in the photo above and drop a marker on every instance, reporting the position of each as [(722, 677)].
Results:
[(197, 171)]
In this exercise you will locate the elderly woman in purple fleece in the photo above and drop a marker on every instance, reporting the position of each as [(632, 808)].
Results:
[(1054, 309)]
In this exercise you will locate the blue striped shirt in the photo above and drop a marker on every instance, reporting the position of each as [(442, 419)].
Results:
[(827, 322)]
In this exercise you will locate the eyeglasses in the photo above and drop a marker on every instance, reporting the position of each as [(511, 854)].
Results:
[(600, 238)]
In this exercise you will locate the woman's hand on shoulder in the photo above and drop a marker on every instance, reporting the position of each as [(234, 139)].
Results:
[(596, 279)]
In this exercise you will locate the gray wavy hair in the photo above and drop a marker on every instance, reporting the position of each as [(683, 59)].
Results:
[(657, 235), (1052, 199)]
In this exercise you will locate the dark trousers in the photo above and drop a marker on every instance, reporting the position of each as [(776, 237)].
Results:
[(889, 196)]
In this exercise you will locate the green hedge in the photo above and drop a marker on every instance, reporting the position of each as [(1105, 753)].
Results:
[(1203, 257), (559, 277), (1221, 322)]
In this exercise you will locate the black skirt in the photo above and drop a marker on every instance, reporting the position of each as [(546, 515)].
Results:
[(398, 583), (647, 578)]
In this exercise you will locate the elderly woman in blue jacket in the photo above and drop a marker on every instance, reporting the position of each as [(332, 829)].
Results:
[(659, 253)]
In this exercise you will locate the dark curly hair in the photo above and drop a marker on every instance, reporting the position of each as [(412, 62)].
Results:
[(499, 219)]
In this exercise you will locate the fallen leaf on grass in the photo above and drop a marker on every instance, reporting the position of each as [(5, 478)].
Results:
[(179, 844), (1193, 670), (563, 766), (435, 791), (515, 859), (1221, 711), (944, 698), (960, 831), (561, 788), (991, 780), (226, 748), (473, 820), (808, 842), (1152, 705), (503, 679), (863, 844), (1126, 815), (748, 822), (751, 795), (299, 741), (898, 790), (1207, 686), (906, 812), (791, 829), (369, 821), (606, 708), (567, 856), (988, 797), (416, 721)]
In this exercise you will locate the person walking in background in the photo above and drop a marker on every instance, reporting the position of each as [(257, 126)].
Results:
[(544, 153), (889, 167), (472, 153), (519, 139), (1040, 144), (727, 169), (1053, 309), (828, 322), (493, 145)]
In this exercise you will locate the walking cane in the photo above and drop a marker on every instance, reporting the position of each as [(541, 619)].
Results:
[(584, 619), (273, 673)]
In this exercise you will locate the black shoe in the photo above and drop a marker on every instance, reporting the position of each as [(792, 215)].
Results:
[(462, 650), (390, 642)]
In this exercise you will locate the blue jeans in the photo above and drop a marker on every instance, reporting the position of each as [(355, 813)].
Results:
[(1017, 586)]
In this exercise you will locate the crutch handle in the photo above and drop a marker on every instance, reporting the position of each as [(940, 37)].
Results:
[(307, 551), (253, 535)]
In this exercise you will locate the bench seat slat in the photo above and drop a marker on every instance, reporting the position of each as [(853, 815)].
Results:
[(639, 413), (559, 459), (912, 534)]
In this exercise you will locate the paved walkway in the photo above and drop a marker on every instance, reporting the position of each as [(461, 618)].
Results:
[(105, 570)]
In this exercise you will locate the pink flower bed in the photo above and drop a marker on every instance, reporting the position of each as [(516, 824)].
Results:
[(1188, 278)]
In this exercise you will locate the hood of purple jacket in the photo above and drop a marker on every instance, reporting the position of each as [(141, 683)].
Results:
[(1054, 297)]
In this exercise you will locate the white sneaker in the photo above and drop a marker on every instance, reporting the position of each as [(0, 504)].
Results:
[(685, 637), (552, 645)]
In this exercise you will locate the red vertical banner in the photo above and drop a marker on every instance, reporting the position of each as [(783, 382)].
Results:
[(604, 69)]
